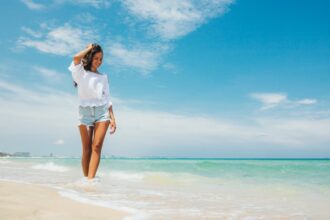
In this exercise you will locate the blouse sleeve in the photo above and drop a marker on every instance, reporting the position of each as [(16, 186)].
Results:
[(107, 93), (77, 71)]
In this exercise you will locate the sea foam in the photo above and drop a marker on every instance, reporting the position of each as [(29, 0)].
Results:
[(51, 167)]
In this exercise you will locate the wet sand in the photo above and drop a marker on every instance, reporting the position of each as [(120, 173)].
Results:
[(28, 201)]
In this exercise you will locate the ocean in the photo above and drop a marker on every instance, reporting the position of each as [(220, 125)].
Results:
[(164, 188)]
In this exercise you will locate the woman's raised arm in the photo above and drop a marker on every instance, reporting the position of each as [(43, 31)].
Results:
[(77, 58)]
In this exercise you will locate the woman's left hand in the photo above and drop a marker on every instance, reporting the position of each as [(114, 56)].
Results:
[(112, 126)]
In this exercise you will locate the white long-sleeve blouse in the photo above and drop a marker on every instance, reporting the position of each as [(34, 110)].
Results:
[(93, 88)]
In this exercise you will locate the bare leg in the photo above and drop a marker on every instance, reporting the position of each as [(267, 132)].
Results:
[(86, 133), (99, 134)]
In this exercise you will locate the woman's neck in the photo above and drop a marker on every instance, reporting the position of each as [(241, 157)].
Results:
[(94, 70)]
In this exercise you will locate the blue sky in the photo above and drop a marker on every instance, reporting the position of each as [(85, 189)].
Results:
[(215, 78)]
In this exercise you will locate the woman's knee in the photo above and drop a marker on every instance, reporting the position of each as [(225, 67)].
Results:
[(97, 146)]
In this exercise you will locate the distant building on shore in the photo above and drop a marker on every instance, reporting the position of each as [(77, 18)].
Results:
[(21, 154), (2, 154)]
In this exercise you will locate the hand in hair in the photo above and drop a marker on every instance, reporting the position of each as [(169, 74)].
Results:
[(90, 46), (77, 58)]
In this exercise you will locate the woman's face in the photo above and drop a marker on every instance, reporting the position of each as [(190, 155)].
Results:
[(97, 60)]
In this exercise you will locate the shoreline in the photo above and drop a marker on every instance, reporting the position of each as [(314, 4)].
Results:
[(26, 201)]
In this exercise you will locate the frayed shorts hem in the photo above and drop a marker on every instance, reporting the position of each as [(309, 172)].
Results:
[(92, 125), (88, 116)]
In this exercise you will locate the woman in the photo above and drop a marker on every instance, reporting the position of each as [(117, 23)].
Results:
[(95, 106)]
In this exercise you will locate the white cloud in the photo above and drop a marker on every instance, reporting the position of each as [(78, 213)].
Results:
[(272, 100), (176, 18), (17, 93), (31, 32), (94, 3), (49, 74), (168, 129), (296, 132), (98, 4), (40, 117), (59, 142), (144, 58), (32, 5), (45, 116), (88, 18), (269, 100), (166, 19), (307, 101), (62, 40)]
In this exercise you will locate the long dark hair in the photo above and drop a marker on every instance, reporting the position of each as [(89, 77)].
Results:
[(88, 58)]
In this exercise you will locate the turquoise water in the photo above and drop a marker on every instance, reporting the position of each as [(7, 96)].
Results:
[(189, 188), (299, 171)]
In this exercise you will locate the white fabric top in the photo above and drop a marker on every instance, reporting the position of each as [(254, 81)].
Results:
[(93, 88)]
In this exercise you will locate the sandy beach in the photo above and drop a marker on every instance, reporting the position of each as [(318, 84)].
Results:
[(28, 201), (52, 188)]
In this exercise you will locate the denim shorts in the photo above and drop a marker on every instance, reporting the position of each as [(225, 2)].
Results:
[(88, 115)]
